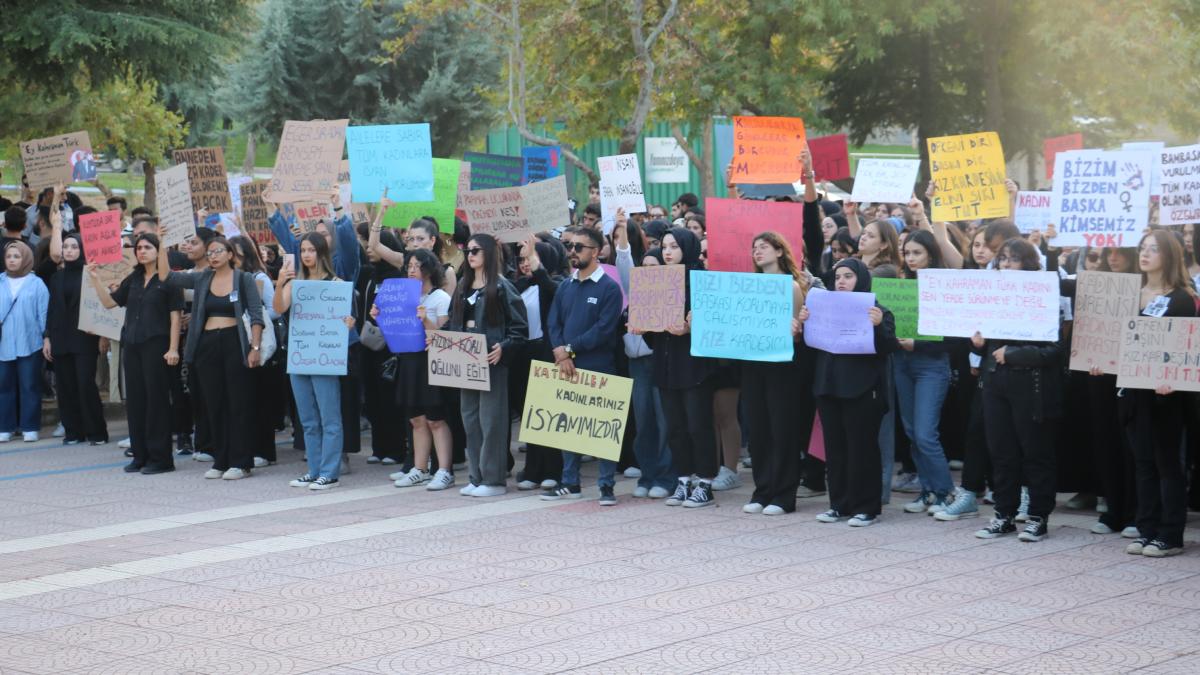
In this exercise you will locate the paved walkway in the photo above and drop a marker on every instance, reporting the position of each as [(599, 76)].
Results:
[(103, 572)]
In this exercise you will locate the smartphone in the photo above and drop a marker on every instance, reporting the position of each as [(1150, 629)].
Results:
[(289, 260)]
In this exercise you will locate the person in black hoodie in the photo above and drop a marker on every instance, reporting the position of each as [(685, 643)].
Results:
[(389, 437), (1022, 399), (852, 403)]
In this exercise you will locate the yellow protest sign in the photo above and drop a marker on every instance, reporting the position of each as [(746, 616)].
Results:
[(585, 414), (969, 173)]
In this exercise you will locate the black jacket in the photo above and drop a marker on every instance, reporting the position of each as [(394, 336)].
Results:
[(62, 317)]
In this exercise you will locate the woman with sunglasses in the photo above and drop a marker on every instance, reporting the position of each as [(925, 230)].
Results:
[(222, 352), (487, 303)]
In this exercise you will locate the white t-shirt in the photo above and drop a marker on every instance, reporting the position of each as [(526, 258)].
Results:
[(15, 284), (436, 304)]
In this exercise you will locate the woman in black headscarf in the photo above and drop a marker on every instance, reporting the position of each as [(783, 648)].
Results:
[(852, 402)]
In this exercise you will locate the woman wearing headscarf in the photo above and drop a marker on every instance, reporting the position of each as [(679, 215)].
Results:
[(24, 302)]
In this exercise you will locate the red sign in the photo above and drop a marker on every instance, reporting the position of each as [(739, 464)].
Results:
[(101, 232), (831, 157), (1053, 146), (733, 224)]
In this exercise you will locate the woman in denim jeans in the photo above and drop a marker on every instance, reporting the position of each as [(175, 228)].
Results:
[(24, 302), (922, 375), (318, 397)]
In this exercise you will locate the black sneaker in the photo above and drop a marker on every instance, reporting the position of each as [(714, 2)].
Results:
[(702, 495), (1035, 529), (1137, 546), (607, 498), (133, 467), (183, 445), (151, 469), (563, 492), (682, 490), (1158, 548), (996, 528)]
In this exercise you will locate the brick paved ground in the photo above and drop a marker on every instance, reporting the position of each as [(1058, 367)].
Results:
[(103, 572)]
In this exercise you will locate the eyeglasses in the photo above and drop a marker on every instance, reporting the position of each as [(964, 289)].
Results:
[(1093, 257), (215, 251), (474, 251), (576, 247)]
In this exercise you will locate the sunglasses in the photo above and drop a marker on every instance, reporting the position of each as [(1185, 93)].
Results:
[(576, 247), (474, 251), (215, 251)]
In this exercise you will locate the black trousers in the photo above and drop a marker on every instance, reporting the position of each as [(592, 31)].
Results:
[(977, 463), (379, 404), (79, 397), (1112, 453), (269, 383), (181, 399), (147, 389), (541, 463), (204, 438), (228, 389), (852, 455), (1155, 427), (352, 392), (690, 432), (1021, 449), (772, 392)]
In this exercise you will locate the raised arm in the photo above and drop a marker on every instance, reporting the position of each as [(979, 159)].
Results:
[(56, 236), (106, 298), (393, 258)]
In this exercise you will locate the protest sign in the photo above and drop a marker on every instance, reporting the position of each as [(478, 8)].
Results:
[(767, 149), (446, 174), (969, 173), (1155, 148), (1052, 146), (459, 360), (494, 171), (733, 224), (318, 339), (174, 196), (884, 180), (1160, 351), (754, 191), (206, 178), (306, 166), (93, 317), (541, 162), (546, 204), (396, 158), (1001, 304), (358, 211), (255, 212), (307, 215), (101, 232), (1101, 198), (1104, 303), (620, 187), (58, 159), (1180, 200), (666, 162), (656, 297), (838, 322), (744, 316), (499, 212), (585, 413), (397, 300), (464, 184), (1033, 211), (899, 296), (830, 156)]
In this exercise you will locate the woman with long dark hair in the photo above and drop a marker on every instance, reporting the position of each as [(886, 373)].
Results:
[(268, 378), (389, 437)]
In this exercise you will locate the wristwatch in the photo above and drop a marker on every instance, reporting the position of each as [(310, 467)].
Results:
[(570, 352), (255, 347)]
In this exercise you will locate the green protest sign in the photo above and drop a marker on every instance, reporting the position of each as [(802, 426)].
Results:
[(900, 297), (445, 196)]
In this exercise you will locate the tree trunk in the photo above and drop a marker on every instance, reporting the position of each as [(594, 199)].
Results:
[(150, 199), (708, 183), (251, 151), (925, 115), (993, 93), (703, 160)]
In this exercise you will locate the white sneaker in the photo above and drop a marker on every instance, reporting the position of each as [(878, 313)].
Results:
[(213, 473), (346, 464), (1023, 508), (413, 478), (726, 480), (5, 437), (1130, 532), (59, 431), (397, 475), (260, 462), (202, 457), (862, 520), (640, 492), (773, 510), (526, 485), (467, 489), (387, 461), (441, 480), (235, 474), (1101, 528), (633, 472), (125, 444), (752, 507), (489, 491), (302, 481), (549, 484), (29, 436), (323, 483), (657, 492)]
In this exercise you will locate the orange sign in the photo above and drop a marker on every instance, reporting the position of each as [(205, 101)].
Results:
[(766, 150)]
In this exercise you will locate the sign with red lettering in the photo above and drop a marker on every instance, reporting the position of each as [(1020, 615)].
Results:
[(1101, 198), (767, 149), (1053, 146), (733, 224), (831, 157), (1000, 304), (101, 233), (1180, 200), (207, 178), (1104, 303), (1160, 351)]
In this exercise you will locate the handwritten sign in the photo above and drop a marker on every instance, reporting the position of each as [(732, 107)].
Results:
[(1101, 198), (1158, 351), (736, 315), (1052, 146), (393, 157), (541, 162), (318, 339), (620, 187), (93, 317), (446, 173), (1104, 303), (494, 171), (255, 212), (1180, 200), (830, 156), (666, 162), (101, 233), (174, 195), (58, 159), (884, 180), (1033, 212), (1001, 304), (767, 149), (969, 173), (207, 178), (499, 212), (1155, 148), (838, 322), (585, 413), (307, 215), (733, 224), (656, 297), (306, 166), (459, 360), (899, 296), (546, 204), (397, 300)]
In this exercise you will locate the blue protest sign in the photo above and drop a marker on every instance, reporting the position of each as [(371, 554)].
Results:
[(493, 171), (744, 316), (397, 300), (723, 145), (541, 162), (318, 338), (397, 157)]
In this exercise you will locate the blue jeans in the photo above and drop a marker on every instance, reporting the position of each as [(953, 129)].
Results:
[(570, 475), (319, 405), (922, 381), (650, 442), (21, 385)]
